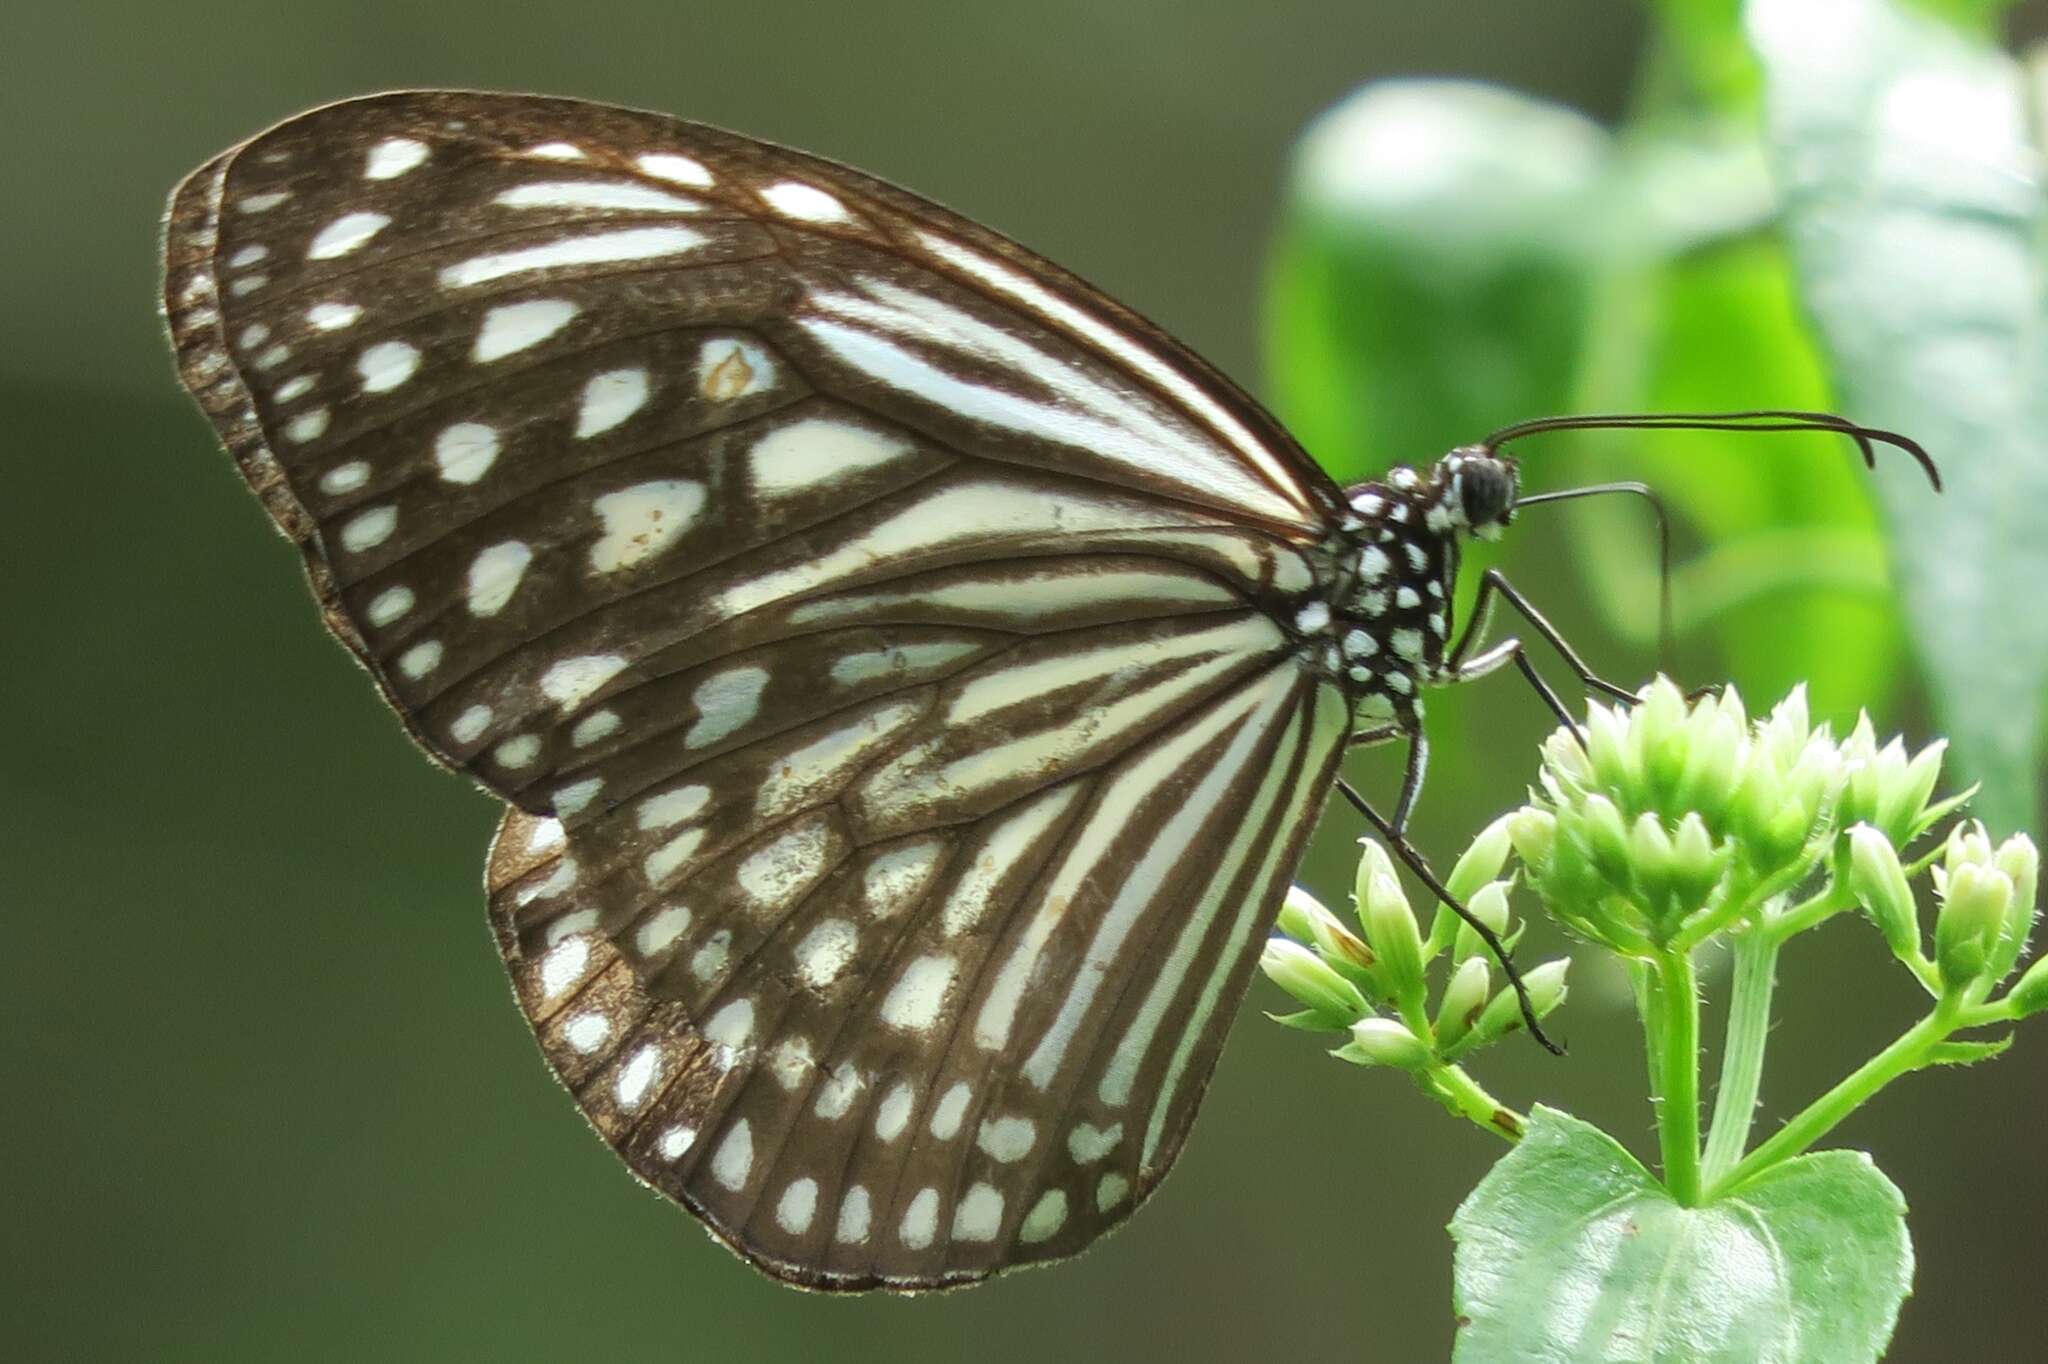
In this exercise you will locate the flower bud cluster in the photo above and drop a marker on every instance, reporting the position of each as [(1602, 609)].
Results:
[(1374, 983), (1670, 818)]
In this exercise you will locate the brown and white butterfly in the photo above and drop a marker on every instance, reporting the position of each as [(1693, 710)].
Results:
[(911, 675)]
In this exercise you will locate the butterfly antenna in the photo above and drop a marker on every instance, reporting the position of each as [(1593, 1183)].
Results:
[(1867, 438)]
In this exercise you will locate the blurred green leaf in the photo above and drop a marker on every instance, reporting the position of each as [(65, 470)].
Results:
[(1432, 272), (1569, 1250), (1791, 585), (1914, 211)]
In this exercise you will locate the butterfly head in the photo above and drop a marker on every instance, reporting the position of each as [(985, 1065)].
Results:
[(1476, 491)]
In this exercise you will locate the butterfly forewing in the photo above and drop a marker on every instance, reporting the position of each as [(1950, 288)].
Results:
[(882, 639)]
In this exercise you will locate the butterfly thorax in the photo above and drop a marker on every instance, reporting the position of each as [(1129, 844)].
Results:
[(1396, 557)]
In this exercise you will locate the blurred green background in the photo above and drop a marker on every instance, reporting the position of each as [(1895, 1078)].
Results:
[(269, 1096)]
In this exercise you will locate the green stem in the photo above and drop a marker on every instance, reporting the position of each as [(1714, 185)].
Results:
[(1462, 1095), (1742, 1059), (1821, 1116), (1678, 1111)]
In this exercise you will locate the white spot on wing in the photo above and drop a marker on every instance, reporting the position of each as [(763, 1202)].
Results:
[(659, 933), (465, 452), (854, 1214), (369, 529), (951, 1108), (794, 199), (735, 1158), (587, 1032), (920, 1220), (573, 680), (420, 659), (796, 1207), (609, 399), (470, 725), (919, 993), (671, 807), (393, 157), (1007, 1139), (345, 234), (390, 605), (639, 1074), (893, 1114), (307, 426), (728, 369), (386, 365), (825, 952), (1045, 1219), (681, 169), (331, 316), (517, 751), (979, 1214), (643, 520), (514, 327), (732, 1026), (494, 576), (725, 703), (345, 478)]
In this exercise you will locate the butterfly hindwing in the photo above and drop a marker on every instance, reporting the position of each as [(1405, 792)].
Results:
[(884, 641)]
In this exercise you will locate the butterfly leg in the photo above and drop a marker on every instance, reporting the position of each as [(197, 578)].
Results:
[(1394, 832), (1459, 668)]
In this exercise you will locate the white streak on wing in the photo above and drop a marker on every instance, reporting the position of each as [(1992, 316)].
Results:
[(903, 782), (597, 194), (1122, 1071), (898, 663), (1084, 855), (1012, 841), (587, 248), (1038, 596), (1087, 415), (1155, 453), (822, 765), (1120, 344), (1331, 726), (1143, 883), (817, 451), (1004, 684), (989, 513)]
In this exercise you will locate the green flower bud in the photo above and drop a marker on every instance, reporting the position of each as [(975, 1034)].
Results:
[(1389, 923), (1696, 864), (1902, 809), (1503, 1013), (1605, 837), (1344, 949), (1310, 979), (1534, 834), (1464, 997), (1384, 1042), (1489, 905), (1298, 913), (2021, 862), (1608, 748), (2030, 996), (1974, 901), (1878, 881), (1481, 861)]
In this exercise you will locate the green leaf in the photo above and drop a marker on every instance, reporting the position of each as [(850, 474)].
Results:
[(1570, 1252), (1429, 283), (1310, 1020), (1914, 210)]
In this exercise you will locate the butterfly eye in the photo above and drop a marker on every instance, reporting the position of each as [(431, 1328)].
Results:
[(1487, 487)]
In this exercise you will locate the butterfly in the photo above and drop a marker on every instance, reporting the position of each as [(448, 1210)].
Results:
[(909, 674)]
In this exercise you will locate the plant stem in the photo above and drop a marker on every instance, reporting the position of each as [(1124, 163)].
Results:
[(1678, 1110), (1461, 1094), (1820, 1117), (1742, 1059)]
